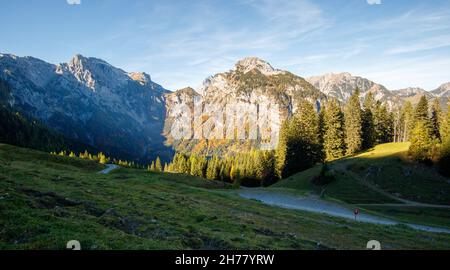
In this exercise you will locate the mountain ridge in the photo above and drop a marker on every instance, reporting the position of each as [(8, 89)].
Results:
[(90, 100), (127, 114)]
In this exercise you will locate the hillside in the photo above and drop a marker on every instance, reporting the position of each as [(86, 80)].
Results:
[(383, 180), (89, 100), (25, 131), (367, 177), (46, 200)]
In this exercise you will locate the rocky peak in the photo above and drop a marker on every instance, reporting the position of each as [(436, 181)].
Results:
[(141, 77), (410, 92), (253, 63), (93, 71), (443, 90)]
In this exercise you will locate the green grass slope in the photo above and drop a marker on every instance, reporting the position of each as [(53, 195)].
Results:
[(47, 200), (383, 175), (368, 177)]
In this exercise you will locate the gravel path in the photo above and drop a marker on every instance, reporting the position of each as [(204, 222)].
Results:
[(109, 168), (316, 205)]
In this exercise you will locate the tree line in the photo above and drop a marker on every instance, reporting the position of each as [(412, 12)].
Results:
[(99, 157), (429, 133), (311, 136)]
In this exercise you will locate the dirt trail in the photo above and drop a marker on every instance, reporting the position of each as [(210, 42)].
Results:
[(317, 205), (109, 168)]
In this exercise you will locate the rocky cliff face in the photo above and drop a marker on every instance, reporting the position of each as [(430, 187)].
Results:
[(251, 89), (92, 101), (341, 86), (412, 94), (442, 91)]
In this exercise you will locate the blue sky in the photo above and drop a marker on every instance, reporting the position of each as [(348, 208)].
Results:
[(397, 43)]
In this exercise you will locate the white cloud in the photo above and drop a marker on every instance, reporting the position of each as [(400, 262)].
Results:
[(74, 2), (422, 45), (374, 2)]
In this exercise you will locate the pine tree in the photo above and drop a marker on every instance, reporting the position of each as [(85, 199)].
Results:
[(153, 167), (333, 138), (368, 129), (158, 166), (436, 119), (421, 142), (445, 125), (265, 168), (102, 158), (421, 113), (353, 124), (444, 159), (283, 147), (299, 147), (408, 120), (383, 123), (213, 169)]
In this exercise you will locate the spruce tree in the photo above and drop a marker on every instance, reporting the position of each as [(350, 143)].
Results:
[(383, 123), (421, 113), (265, 168), (158, 165), (102, 158), (436, 119), (334, 137), (368, 129), (444, 159), (283, 147), (353, 124), (445, 125), (152, 167), (408, 120), (421, 142), (299, 147), (213, 169)]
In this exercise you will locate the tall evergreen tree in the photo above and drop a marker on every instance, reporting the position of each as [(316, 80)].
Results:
[(408, 120), (158, 165), (213, 168), (299, 146), (383, 123), (353, 124), (334, 131), (444, 159), (421, 142), (445, 125), (368, 129), (265, 168), (436, 119), (152, 167), (421, 113), (284, 147)]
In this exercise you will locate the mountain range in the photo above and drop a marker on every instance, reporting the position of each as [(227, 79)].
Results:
[(90, 100), (127, 115)]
